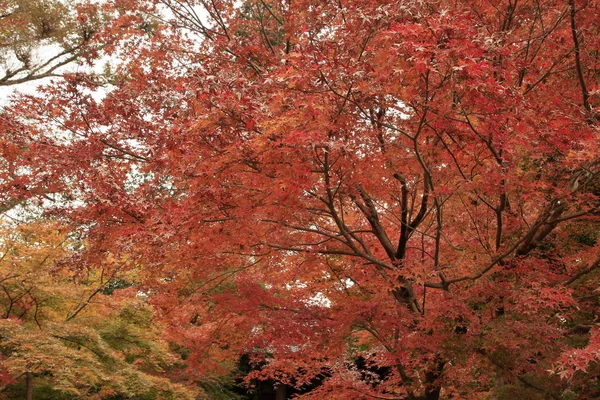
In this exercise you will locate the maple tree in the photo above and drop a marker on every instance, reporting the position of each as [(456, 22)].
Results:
[(68, 332), (411, 184)]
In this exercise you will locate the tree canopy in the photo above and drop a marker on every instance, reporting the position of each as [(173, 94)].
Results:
[(414, 185)]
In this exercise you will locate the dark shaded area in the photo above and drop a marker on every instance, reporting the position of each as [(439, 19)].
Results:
[(273, 390), (268, 389)]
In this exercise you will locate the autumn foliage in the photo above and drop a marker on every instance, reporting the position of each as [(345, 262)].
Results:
[(410, 184)]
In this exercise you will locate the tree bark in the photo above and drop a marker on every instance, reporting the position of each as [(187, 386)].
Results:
[(433, 388), (280, 392), (28, 386), (433, 393)]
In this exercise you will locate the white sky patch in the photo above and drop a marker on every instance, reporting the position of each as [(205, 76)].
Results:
[(400, 109), (296, 284), (39, 55), (319, 300)]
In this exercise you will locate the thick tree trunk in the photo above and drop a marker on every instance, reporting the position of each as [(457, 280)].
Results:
[(28, 386), (280, 392), (433, 393), (433, 388)]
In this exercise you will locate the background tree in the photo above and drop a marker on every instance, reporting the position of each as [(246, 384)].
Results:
[(67, 333)]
